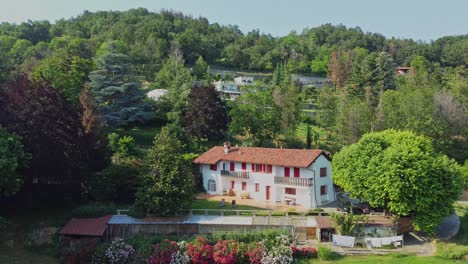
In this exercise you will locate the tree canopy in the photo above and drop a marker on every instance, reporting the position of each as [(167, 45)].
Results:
[(401, 172), (12, 158)]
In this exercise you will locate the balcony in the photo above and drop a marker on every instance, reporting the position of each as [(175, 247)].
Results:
[(236, 174), (291, 181)]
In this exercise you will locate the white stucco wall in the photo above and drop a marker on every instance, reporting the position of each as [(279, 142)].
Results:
[(307, 197)]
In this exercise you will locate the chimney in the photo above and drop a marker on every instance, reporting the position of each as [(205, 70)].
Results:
[(227, 147)]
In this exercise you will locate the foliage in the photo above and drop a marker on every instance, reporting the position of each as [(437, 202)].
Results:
[(116, 183), (167, 187), (56, 127), (304, 252), (225, 252), (278, 251), (325, 253), (94, 210), (346, 223), (392, 169), (163, 252), (201, 70), (117, 92), (465, 174), (200, 251), (12, 158), (122, 145), (205, 116), (4, 223), (249, 237), (119, 252)]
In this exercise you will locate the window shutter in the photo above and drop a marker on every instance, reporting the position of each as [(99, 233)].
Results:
[(297, 172), (286, 171), (244, 166), (231, 168)]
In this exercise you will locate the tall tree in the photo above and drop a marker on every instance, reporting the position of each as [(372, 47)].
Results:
[(168, 186), (118, 95), (201, 70), (13, 158), (401, 172), (206, 115), (50, 128), (339, 67)]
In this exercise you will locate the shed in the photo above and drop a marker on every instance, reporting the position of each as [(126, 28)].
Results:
[(325, 228), (93, 227)]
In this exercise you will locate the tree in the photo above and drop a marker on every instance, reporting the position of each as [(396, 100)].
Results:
[(12, 158), (339, 67), (168, 185), (118, 95), (401, 172), (253, 119), (346, 223), (201, 70), (206, 115), (50, 128)]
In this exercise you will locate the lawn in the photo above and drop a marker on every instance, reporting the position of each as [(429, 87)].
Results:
[(389, 259), (213, 204), (458, 245), (143, 136)]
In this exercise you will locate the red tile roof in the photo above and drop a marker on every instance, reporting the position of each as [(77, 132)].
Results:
[(86, 226), (324, 222), (301, 158)]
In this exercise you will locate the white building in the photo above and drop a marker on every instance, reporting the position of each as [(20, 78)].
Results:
[(278, 175), (232, 89)]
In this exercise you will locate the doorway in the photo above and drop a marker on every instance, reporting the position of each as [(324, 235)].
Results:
[(267, 193)]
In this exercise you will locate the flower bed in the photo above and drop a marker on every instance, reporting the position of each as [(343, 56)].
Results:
[(277, 250)]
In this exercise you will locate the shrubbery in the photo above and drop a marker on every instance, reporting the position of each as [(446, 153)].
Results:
[(93, 210), (250, 237)]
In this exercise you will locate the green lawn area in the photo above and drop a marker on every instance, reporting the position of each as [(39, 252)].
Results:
[(143, 136), (212, 204), (458, 245), (389, 259)]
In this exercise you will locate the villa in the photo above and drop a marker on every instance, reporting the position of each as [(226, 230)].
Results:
[(292, 176)]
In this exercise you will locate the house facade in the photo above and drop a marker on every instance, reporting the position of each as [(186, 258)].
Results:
[(232, 89), (294, 176)]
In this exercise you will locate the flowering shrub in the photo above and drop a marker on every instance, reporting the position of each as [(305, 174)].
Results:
[(278, 251), (255, 252), (180, 258), (305, 252), (163, 252), (119, 252), (200, 251), (225, 252)]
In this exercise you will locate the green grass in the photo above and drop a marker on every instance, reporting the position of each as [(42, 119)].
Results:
[(143, 136), (389, 259), (212, 204), (457, 247)]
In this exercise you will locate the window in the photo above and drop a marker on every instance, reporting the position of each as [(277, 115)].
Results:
[(244, 166), (323, 172), (291, 191), (323, 190), (258, 168), (269, 169), (232, 184), (244, 186), (232, 166), (213, 167), (297, 172), (253, 167), (211, 185), (257, 187), (286, 171)]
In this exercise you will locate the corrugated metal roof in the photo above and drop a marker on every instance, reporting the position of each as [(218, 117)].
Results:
[(86, 226)]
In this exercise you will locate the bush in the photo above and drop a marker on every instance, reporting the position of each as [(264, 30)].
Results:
[(93, 210), (137, 211), (225, 252), (4, 223), (250, 237), (200, 251), (325, 253), (116, 183), (163, 252), (119, 252), (305, 252), (99, 256)]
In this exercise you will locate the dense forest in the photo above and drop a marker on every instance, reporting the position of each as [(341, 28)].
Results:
[(66, 86)]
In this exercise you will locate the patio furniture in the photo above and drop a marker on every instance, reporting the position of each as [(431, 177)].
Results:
[(222, 203), (233, 204)]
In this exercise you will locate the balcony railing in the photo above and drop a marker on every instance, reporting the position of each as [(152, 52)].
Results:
[(303, 182), (236, 174)]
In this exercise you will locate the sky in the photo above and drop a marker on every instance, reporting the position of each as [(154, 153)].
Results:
[(418, 19)]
